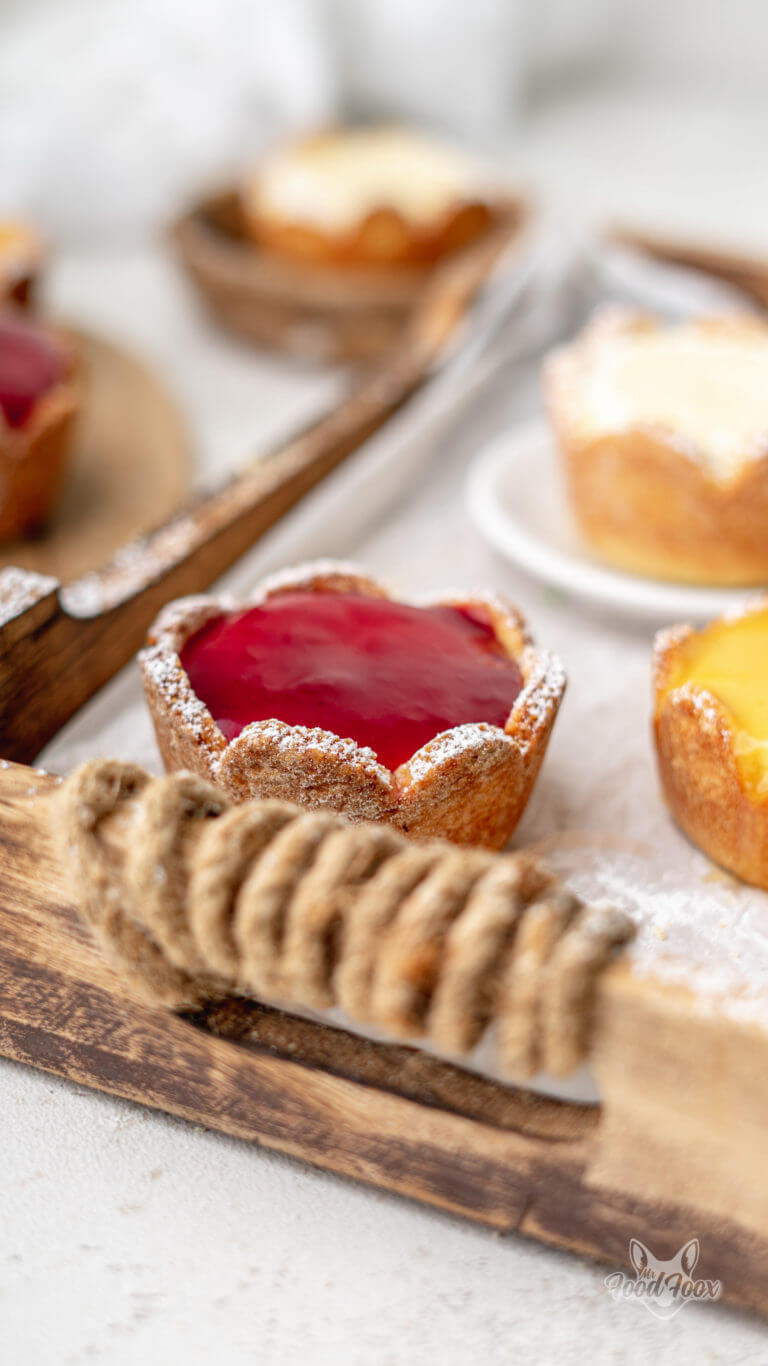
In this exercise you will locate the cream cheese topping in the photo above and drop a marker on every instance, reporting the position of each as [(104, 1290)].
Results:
[(334, 181), (706, 388)]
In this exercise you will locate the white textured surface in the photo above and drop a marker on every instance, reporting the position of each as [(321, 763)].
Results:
[(129, 1238)]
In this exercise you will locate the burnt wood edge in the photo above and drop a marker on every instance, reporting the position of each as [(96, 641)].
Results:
[(403, 1070)]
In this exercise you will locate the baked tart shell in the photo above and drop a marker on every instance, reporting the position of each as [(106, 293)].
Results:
[(33, 458), (469, 784), (702, 783), (383, 238), (648, 505)]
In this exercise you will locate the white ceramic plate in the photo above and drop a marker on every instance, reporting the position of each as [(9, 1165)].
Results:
[(517, 501)]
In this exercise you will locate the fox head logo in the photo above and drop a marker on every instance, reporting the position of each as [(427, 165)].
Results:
[(664, 1286)]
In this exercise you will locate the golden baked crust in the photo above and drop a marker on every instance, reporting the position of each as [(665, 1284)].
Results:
[(469, 784), (643, 497), (700, 776), (33, 457), (382, 239), (383, 235), (22, 256)]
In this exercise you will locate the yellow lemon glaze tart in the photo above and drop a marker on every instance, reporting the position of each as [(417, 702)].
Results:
[(711, 727)]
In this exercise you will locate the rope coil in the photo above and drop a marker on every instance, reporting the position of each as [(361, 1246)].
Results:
[(194, 899)]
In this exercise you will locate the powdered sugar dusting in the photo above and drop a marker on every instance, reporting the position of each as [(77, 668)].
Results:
[(711, 716), (305, 739), (544, 688), (20, 589), (164, 672), (312, 574), (699, 928), (459, 742)]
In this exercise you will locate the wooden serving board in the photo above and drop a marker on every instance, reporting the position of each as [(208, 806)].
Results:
[(129, 470), (677, 1146), (576, 1176)]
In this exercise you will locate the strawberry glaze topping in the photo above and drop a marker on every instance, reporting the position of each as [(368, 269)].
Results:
[(384, 674), (30, 364)]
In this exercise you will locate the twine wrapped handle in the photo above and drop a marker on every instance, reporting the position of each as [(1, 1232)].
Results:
[(193, 899)]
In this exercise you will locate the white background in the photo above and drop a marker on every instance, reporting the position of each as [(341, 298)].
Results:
[(110, 111)]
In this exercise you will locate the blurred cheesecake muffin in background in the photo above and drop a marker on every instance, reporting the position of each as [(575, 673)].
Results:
[(367, 197), (663, 431), (39, 401), (711, 732), (22, 257)]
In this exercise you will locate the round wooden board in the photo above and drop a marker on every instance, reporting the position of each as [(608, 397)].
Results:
[(129, 467)]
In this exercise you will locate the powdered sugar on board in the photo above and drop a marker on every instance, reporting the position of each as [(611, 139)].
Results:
[(699, 927), (20, 589), (450, 744)]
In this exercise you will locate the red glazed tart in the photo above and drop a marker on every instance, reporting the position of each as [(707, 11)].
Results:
[(39, 398), (323, 690)]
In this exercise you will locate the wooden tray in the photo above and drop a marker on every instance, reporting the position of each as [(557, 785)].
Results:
[(677, 1146), (684, 1107), (130, 467)]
